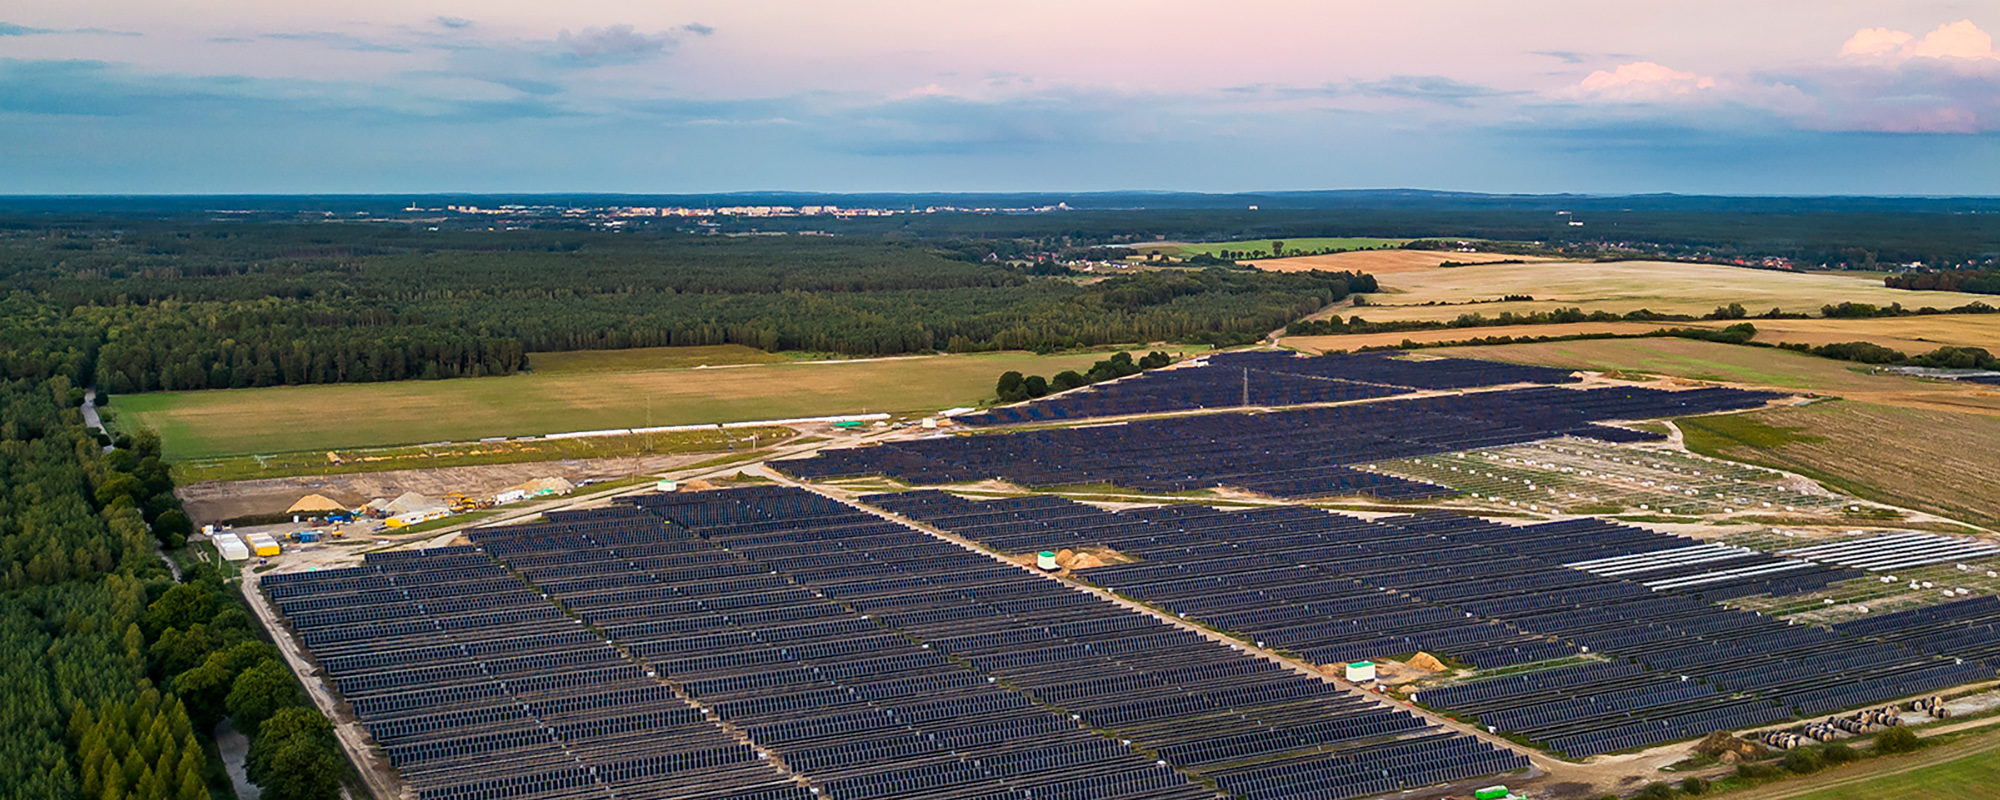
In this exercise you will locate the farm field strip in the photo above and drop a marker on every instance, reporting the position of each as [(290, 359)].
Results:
[(1663, 287)]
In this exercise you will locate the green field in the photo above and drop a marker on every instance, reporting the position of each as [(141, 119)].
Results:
[(1262, 247), (646, 358), (229, 422), (1971, 777)]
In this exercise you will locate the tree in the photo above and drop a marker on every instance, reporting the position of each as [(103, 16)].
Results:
[(1009, 388), (295, 756), (1066, 380), (259, 692), (1277, 249), (182, 606), (1035, 386)]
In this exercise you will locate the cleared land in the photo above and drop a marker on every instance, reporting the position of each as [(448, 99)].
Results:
[(466, 454), (645, 358), (213, 424), (1387, 262), (1621, 287), (1930, 460)]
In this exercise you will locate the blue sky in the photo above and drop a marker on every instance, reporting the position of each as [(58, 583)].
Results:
[(1772, 97)]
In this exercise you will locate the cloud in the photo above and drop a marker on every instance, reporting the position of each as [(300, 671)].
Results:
[(698, 29), (1875, 42), (1564, 56), (1642, 80), (618, 44), (10, 29), (1427, 88), (455, 23), (1957, 40), (337, 41)]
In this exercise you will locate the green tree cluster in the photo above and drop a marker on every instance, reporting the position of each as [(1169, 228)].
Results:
[(1013, 387), (142, 750)]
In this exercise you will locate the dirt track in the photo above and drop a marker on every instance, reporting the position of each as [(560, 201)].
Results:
[(215, 501)]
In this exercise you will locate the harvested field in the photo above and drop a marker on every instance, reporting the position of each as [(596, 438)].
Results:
[(1388, 262), (1752, 366), (1322, 344), (1263, 246), (1911, 335), (217, 423), (1937, 461), (1620, 287)]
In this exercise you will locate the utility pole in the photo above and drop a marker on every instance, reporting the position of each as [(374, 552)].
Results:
[(1246, 386)]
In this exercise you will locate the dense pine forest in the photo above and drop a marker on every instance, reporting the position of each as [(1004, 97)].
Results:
[(116, 675), (163, 306)]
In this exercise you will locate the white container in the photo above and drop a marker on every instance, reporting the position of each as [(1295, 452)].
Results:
[(231, 547), (1361, 671), (1047, 560)]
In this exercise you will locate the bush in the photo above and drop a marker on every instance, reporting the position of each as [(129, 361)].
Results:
[(1694, 784), (1838, 753), (1657, 790), (1755, 771), (1803, 760), (1897, 740)]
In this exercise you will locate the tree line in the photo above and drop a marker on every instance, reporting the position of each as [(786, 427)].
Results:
[(1013, 387), (264, 305), (1970, 281)]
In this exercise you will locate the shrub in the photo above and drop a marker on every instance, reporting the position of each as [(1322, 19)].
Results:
[(1803, 760), (1838, 753), (1657, 790), (1755, 771), (1897, 740), (1694, 784)]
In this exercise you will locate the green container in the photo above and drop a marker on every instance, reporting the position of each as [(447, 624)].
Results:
[(1491, 793)]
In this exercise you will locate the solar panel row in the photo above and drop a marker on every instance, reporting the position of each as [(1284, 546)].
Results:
[(1292, 454), (478, 688), (1967, 629)]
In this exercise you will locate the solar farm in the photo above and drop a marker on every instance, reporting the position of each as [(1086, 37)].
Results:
[(816, 641), (772, 643)]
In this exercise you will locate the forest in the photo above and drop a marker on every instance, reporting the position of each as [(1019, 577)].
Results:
[(166, 306), (117, 674)]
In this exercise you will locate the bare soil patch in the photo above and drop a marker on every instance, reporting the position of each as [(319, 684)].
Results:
[(215, 501)]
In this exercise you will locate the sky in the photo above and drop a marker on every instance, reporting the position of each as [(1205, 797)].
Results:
[(1765, 97)]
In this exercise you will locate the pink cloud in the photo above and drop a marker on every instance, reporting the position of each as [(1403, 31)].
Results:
[(1643, 79), (1875, 42), (1961, 39)]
